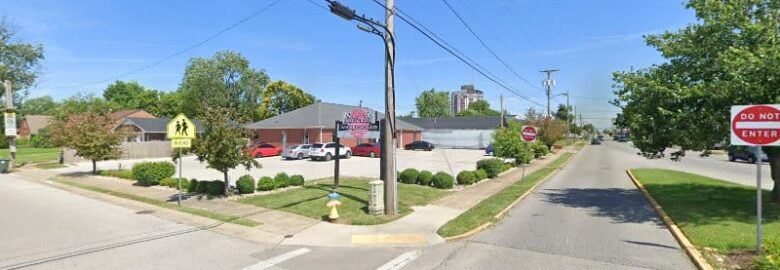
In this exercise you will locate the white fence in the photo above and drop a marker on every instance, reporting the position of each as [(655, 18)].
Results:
[(132, 150), (459, 138)]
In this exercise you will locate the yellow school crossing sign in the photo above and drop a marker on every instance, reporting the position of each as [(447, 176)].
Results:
[(181, 131)]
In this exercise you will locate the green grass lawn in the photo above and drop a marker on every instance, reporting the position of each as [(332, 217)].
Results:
[(310, 200), (487, 209), (49, 165), (33, 155), (711, 212)]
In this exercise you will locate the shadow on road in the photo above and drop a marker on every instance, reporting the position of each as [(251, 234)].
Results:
[(621, 205)]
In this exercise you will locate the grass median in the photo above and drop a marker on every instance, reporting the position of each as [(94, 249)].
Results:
[(189, 210), (486, 210), (33, 155), (310, 200), (714, 214)]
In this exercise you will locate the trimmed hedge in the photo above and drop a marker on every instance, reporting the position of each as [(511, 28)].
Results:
[(491, 166), (266, 183), (443, 180), (424, 178), (466, 178), (193, 186), (296, 180), (408, 176), (481, 174), (282, 180), (174, 183), (216, 187), (245, 184), (124, 174), (150, 173), (506, 167)]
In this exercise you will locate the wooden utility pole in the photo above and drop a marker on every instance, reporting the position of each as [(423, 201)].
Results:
[(388, 144), (549, 82), (9, 109), (502, 111)]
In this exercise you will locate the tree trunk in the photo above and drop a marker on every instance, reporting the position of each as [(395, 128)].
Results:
[(774, 170), (227, 183), (94, 167)]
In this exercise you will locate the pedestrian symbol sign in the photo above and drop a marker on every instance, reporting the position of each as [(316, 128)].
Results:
[(180, 127)]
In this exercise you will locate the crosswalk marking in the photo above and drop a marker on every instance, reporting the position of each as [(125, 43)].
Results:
[(401, 260), (278, 259)]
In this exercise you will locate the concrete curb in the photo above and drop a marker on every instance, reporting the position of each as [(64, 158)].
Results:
[(694, 254), (505, 210)]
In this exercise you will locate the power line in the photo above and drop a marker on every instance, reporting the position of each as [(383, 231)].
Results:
[(450, 51), (484, 45), (595, 98), (180, 52)]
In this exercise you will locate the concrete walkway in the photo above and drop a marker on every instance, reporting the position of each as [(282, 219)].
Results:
[(415, 229)]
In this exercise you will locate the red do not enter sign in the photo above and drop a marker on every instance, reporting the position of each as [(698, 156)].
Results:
[(528, 133), (757, 125)]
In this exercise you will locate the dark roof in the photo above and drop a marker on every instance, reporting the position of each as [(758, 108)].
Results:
[(317, 115), (466, 122), (156, 125)]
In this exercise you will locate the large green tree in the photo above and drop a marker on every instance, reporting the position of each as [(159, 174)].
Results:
[(20, 62), (508, 144), (224, 80), (479, 108), (730, 56), (80, 103), (281, 97), (91, 134), (44, 105), (433, 103)]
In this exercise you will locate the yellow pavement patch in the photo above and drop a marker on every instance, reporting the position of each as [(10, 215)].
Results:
[(365, 239)]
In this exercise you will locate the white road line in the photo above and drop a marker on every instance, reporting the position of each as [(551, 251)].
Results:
[(400, 261), (278, 259)]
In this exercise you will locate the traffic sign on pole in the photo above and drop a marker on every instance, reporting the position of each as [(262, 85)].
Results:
[(756, 125), (528, 134)]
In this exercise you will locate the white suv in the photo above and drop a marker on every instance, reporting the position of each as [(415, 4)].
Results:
[(327, 151)]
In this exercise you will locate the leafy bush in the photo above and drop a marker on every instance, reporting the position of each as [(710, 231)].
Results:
[(296, 180), (150, 173), (466, 178), (203, 186), (216, 187), (42, 139), (771, 257), (174, 183), (245, 184), (125, 174), (525, 156), (506, 167), (481, 174), (491, 166), (266, 183), (424, 178), (443, 180), (408, 176), (540, 149), (282, 180), (193, 186)]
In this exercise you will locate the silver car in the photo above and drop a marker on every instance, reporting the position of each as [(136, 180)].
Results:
[(297, 151)]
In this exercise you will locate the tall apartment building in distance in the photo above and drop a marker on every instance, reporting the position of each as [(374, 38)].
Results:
[(461, 99)]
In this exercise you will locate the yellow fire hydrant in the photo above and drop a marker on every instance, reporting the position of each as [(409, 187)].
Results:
[(333, 205)]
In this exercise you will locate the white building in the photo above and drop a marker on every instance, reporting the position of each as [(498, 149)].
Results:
[(461, 99)]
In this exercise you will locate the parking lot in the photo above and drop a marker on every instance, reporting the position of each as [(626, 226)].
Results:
[(451, 161)]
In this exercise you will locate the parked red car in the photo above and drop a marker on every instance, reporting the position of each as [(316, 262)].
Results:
[(265, 150), (366, 149)]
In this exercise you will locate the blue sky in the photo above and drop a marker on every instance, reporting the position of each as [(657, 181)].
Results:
[(302, 43)]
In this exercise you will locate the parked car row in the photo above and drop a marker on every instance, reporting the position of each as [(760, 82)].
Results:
[(326, 151)]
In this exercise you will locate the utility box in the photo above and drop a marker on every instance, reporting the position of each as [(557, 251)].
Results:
[(4, 165), (376, 197)]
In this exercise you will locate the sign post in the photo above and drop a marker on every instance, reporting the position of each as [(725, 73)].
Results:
[(756, 125), (181, 131), (528, 134)]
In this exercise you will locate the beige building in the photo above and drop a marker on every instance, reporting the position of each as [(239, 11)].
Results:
[(461, 99)]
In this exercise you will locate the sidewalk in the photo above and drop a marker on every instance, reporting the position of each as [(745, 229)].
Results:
[(415, 229)]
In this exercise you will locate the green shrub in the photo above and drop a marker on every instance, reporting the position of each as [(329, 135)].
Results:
[(266, 183), (771, 257), (150, 173), (408, 176), (481, 174), (540, 149), (491, 166), (424, 178), (296, 180), (525, 157), (443, 180), (466, 178), (282, 180), (216, 187), (193, 186), (41, 140), (203, 186), (174, 183), (124, 174), (506, 167), (245, 184)]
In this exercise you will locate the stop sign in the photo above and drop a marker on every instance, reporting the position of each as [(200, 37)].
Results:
[(528, 133), (755, 125)]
